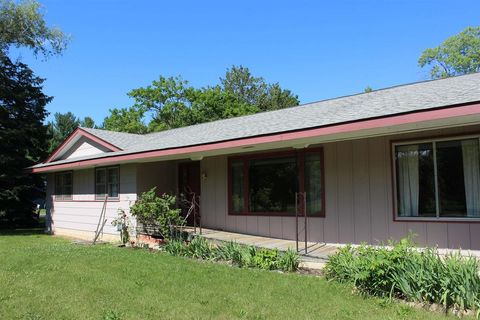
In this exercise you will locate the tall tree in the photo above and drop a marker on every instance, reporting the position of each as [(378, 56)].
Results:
[(88, 122), (60, 128), (459, 54), (172, 102), (22, 136), (125, 120), (22, 104), (168, 100), (255, 91), (22, 24)]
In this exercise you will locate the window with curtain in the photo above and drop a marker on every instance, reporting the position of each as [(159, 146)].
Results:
[(266, 184), (438, 179), (63, 186), (107, 182)]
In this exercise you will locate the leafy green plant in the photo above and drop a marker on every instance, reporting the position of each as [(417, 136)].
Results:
[(199, 248), (404, 271), (112, 315), (230, 251), (265, 259), (123, 224), (288, 261), (157, 210), (175, 248), (242, 256)]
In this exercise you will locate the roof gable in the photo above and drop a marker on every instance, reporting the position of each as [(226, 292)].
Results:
[(81, 143)]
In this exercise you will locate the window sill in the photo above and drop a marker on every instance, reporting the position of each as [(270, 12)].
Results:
[(109, 200), (432, 219)]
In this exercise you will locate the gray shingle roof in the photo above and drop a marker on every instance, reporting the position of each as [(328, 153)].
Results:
[(379, 103), (122, 140)]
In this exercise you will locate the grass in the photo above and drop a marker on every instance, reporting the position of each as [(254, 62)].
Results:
[(44, 277)]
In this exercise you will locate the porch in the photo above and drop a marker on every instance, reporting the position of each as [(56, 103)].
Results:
[(356, 195)]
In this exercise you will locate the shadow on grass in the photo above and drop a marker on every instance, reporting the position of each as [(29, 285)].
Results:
[(23, 227), (22, 232)]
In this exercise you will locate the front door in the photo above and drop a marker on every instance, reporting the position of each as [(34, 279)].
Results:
[(189, 189)]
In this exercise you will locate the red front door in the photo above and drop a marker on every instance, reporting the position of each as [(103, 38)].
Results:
[(189, 188)]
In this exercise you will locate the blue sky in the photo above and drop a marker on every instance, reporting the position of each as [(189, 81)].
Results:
[(317, 49)]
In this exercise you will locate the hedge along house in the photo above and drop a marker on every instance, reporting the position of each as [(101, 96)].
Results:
[(373, 166)]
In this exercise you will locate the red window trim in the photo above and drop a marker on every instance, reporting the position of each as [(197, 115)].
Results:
[(300, 154), (393, 179), (101, 198), (55, 186)]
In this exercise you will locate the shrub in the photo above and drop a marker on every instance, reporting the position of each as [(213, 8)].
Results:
[(231, 251), (199, 248), (289, 261), (157, 210), (265, 259), (405, 272), (175, 248), (123, 224)]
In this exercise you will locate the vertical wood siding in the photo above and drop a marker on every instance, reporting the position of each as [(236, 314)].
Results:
[(358, 196), (162, 175)]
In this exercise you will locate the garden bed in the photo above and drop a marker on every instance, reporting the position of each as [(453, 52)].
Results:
[(402, 271)]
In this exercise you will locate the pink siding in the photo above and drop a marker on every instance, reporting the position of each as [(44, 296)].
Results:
[(358, 196), (81, 214)]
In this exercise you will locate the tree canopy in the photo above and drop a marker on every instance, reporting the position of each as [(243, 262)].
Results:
[(457, 55), (128, 120), (63, 125), (172, 102), (23, 25), (23, 137)]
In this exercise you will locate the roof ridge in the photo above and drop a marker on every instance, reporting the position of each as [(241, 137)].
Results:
[(391, 87)]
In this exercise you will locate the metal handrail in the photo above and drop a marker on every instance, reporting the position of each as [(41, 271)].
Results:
[(303, 197), (192, 209)]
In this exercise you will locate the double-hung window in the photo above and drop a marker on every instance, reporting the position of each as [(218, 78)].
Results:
[(63, 186), (265, 184), (438, 179), (107, 182)]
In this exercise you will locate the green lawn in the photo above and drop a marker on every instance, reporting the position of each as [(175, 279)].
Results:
[(43, 277)]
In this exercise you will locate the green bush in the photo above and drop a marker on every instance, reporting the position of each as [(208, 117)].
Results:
[(406, 272), (151, 209), (242, 256), (265, 259), (289, 261), (231, 251), (175, 248), (199, 248)]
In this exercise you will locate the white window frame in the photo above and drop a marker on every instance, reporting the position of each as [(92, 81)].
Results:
[(433, 141), (106, 170), (62, 196)]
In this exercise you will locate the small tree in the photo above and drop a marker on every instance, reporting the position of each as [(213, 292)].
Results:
[(160, 211), (123, 224)]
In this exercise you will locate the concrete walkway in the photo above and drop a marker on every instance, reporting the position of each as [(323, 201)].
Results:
[(315, 258)]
